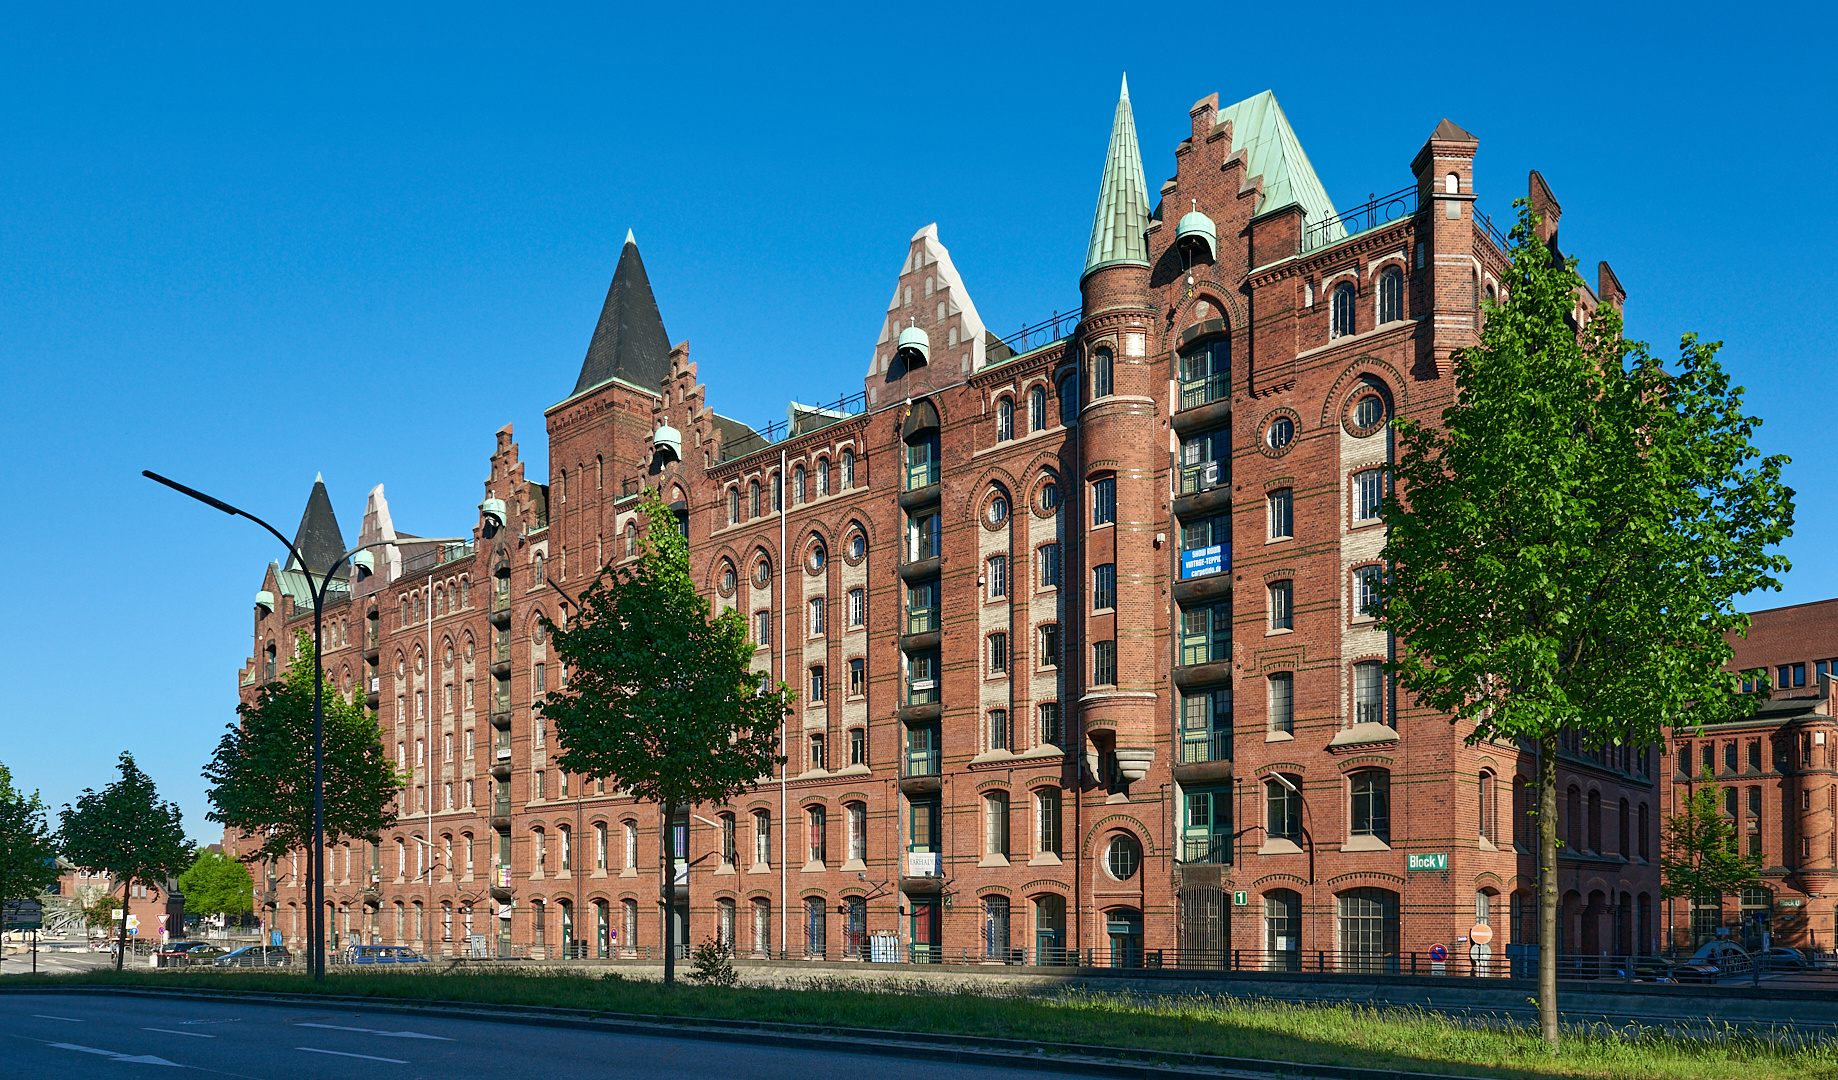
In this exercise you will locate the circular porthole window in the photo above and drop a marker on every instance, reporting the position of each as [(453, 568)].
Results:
[(1369, 411), (817, 557), (1280, 434), (1049, 499), (762, 572), (728, 578), (468, 648), (1122, 856), (858, 546), (998, 510)]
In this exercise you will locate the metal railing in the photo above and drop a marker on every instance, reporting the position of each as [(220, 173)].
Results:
[(922, 620), (1375, 211), (1215, 849), (1204, 746), (920, 764), (809, 418), (1044, 332), (1199, 392), (438, 555), (1499, 238)]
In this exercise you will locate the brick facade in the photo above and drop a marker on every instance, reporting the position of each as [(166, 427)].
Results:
[(1110, 492)]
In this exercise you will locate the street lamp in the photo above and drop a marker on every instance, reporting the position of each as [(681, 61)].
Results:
[(316, 857)]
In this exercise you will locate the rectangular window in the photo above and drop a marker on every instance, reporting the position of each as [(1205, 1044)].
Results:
[(1282, 605), (998, 729), (922, 612), (1104, 586), (1368, 495), (858, 677), (469, 742), (818, 759), (1282, 702), (1206, 633), (1050, 732), (1366, 592), (762, 628), (858, 746), (469, 693), (1206, 726), (1487, 807), (1372, 804), (818, 826), (1049, 645), (858, 607), (1281, 505), (923, 821), (1104, 501), (995, 823), (817, 682), (1206, 461), (1206, 826), (762, 840), (540, 679), (858, 831), (816, 616), (1755, 801), (1104, 663), (1046, 827), (1049, 566), (998, 654), (1730, 752), (1369, 693), (1730, 797), (1282, 808), (924, 537), (922, 678), (998, 576)]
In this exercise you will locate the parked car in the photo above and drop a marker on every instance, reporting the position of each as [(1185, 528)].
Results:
[(383, 954), (178, 952), (256, 956), (1782, 958), (1727, 957)]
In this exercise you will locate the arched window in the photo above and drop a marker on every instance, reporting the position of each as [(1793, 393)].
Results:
[(1372, 804), (1488, 829), (1068, 399), (631, 539), (1595, 821), (733, 506), (848, 468), (823, 476), (753, 498), (1005, 419), (778, 493), (1100, 373), (536, 570), (1573, 818), (797, 484), (1037, 409), (1368, 930), (1342, 310), (1390, 295)]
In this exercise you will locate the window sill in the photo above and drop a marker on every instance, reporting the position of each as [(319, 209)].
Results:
[(854, 864), (1044, 750), (724, 870), (1045, 858), (851, 770), (1278, 540), (991, 755), (760, 868), (1278, 846), (1280, 631), (993, 860), (814, 867), (629, 871), (1279, 736), (1365, 843), (1360, 734)]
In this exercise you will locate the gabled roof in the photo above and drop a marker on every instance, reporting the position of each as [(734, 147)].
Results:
[(319, 541), (1272, 151), (1119, 229), (629, 342)]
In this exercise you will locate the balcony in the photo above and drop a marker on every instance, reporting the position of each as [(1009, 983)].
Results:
[(920, 772), (922, 620), (1204, 755), (1213, 848), (1205, 390), (1205, 476), (925, 864), (1376, 211)]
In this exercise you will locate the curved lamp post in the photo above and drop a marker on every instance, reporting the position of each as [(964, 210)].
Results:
[(316, 857)]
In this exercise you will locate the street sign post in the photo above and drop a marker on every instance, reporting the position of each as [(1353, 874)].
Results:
[(23, 915)]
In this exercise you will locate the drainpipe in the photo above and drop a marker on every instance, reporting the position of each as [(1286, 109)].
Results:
[(784, 500)]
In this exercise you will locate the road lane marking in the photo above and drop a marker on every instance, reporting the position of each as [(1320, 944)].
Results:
[(69, 1019), (373, 1031), (139, 1059), (341, 1053), (193, 1034)]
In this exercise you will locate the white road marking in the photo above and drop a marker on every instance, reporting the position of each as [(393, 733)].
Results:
[(373, 1031), (341, 1053), (141, 1059), (193, 1034), (70, 1019)]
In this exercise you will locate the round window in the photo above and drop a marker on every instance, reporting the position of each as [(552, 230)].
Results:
[(1369, 411), (449, 656), (858, 546), (398, 667), (468, 648), (998, 510), (539, 633), (762, 572), (1282, 432), (1123, 856), (817, 556), (728, 578), (1049, 498)]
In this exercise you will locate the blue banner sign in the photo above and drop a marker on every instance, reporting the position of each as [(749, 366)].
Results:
[(1207, 560)]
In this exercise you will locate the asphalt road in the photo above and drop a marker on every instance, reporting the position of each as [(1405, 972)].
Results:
[(78, 1036)]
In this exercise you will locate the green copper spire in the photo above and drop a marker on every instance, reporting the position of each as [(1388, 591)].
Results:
[(1119, 232)]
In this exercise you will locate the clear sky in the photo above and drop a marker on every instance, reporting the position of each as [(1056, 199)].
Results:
[(241, 246)]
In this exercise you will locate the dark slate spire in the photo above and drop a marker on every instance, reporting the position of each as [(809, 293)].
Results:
[(319, 540), (629, 343)]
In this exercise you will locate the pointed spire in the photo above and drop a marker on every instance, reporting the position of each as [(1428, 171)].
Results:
[(629, 341), (318, 540), (1119, 230)]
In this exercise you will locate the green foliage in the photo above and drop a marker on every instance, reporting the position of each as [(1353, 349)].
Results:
[(28, 851), (712, 964), (216, 884), (102, 912), (1699, 854), (1568, 546), (661, 699), (261, 775), (125, 831)]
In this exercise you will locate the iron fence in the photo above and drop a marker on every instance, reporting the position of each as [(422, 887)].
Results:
[(1375, 211), (1044, 332)]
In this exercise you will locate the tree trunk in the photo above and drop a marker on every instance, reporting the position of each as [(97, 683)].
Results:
[(121, 942), (1547, 888), (667, 851)]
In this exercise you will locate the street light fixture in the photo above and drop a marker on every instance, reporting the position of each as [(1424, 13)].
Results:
[(316, 857)]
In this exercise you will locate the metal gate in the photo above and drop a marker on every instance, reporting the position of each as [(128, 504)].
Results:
[(1203, 926)]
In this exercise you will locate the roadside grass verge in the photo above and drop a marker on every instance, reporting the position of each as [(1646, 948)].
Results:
[(1390, 1038)]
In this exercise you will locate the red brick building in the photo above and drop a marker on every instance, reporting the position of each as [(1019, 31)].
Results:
[(1776, 772), (1075, 617)]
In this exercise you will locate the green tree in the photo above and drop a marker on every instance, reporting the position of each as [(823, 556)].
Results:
[(261, 776), (662, 699), (28, 851), (1700, 854), (1567, 546), (216, 884), (102, 912), (125, 831)]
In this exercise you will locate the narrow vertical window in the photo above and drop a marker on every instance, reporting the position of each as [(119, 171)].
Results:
[(1342, 310), (1281, 503), (1369, 693), (1104, 663), (1100, 373), (1005, 420), (1282, 605), (1049, 566), (997, 576), (1282, 689), (1104, 501), (1103, 586)]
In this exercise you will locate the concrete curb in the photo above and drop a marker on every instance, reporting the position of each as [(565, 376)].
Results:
[(960, 1049)]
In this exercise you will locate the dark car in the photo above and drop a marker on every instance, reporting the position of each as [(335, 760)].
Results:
[(1781, 958), (256, 956), (185, 952), (383, 954)]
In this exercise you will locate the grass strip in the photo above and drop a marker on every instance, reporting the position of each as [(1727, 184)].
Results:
[(1401, 1038)]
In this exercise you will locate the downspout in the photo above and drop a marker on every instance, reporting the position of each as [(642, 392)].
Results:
[(784, 500), (427, 768)]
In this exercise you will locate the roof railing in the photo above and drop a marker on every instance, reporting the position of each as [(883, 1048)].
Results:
[(1044, 332), (1499, 238), (1375, 211), (808, 418)]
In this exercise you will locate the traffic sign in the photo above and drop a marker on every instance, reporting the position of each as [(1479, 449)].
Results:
[(1438, 953), (1481, 934), (23, 915)]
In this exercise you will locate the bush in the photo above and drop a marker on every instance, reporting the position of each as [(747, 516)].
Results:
[(713, 964)]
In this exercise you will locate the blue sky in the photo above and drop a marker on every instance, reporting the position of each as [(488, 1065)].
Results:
[(241, 246)]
